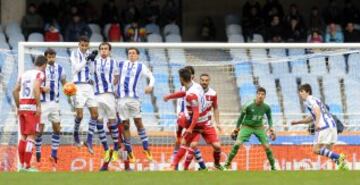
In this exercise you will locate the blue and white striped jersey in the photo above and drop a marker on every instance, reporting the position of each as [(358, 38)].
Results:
[(54, 74), (326, 119), (81, 70), (104, 72), (130, 74)]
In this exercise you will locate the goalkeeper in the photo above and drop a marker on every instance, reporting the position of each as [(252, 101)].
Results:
[(251, 122)]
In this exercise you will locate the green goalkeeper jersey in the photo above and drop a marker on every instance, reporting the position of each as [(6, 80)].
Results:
[(252, 115)]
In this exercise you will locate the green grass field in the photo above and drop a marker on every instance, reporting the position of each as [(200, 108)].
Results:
[(184, 178)]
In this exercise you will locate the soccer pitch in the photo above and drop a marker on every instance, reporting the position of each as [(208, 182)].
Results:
[(184, 178)]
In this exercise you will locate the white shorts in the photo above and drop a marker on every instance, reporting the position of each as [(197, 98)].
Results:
[(129, 108), (107, 106), (326, 136), (84, 96), (50, 112)]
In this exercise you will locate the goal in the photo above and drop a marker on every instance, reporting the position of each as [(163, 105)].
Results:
[(236, 70)]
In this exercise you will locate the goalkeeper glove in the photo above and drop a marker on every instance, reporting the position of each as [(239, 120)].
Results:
[(92, 56), (272, 135), (234, 134)]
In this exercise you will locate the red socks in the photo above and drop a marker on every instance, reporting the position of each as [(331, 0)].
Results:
[(189, 158), (217, 156), (180, 154), (28, 152), (21, 151)]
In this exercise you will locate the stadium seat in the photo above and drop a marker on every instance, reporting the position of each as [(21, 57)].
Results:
[(257, 38), (36, 37), (332, 93), (239, 54), (261, 67), (235, 38), (152, 28), (243, 69), (2, 38), (4, 45), (167, 119), (12, 28), (277, 57), (296, 52), (232, 19), (243, 80), (171, 29), (154, 38), (96, 37), (95, 28), (176, 56), (298, 67), (233, 29), (268, 82), (275, 108), (337, 65), (147, 107), (352, 95), (353, 63), (258, 54), (290, 95), (172, 38), (247, 89), (335, 108), (318, 66), (106, 30), (119, 53), (14, 40), (162, 78)]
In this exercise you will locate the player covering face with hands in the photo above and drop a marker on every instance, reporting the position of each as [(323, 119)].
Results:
[(81, 60)]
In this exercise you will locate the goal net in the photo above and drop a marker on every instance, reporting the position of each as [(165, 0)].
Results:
[(236, 70)]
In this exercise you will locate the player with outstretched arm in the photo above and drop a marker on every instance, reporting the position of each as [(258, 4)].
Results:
[(325, 127)]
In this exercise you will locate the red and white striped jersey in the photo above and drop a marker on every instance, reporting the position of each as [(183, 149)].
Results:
[(27, 80), (195, 97), (211, 100)]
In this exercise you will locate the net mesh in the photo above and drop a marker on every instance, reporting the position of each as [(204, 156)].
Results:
[(235, 74)]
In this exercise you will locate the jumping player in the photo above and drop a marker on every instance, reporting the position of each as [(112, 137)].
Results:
[(55, 78)]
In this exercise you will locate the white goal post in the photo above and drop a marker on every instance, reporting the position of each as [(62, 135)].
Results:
[(244, 69)]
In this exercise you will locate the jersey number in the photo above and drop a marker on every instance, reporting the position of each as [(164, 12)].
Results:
[(26, 88)]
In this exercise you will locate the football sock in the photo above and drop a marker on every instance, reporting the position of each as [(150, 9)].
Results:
[(55, 142), (189, 158), (102, 135), (330, 154), (144, 138), (28, 152), (199, 158), (92, 125), (115, 135), (232, 154), (38, 142), (270, 157)]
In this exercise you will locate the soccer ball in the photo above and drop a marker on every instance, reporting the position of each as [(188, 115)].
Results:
[(70, 89)]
